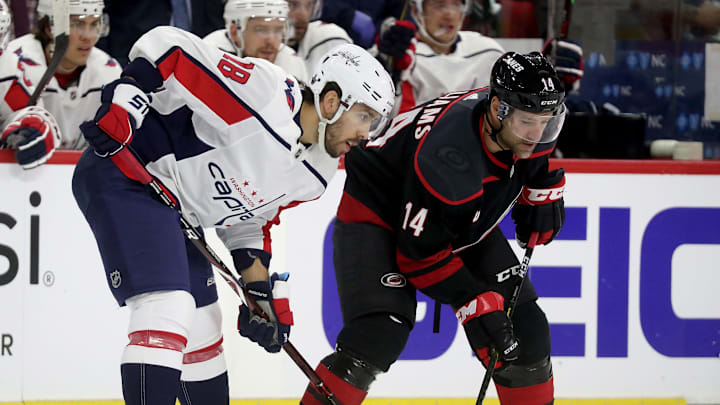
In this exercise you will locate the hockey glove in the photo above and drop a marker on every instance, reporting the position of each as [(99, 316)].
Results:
[(397, 39), (488, 326), (273, 298), (122, 110), (568, 60), (33, 134), (541, 209)]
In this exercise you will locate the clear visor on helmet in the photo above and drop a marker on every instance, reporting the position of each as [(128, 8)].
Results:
[(269, 28), (92, 25), (536, 127), (367, 119)]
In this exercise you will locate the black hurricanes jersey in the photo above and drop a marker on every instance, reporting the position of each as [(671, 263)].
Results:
[(430, 179)]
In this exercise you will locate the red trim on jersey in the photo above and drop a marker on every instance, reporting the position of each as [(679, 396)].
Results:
[(407, 266), (204, 354), (417, 151), (16, 97), (352, 210), (540, 394), (488, 179), (267, 241), (345, 393), (407, 102), (203, 86), (158, 339), (542, 153)]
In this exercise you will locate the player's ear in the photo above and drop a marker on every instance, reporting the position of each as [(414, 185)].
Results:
[(330, 104), (233, 30), (494, 106)]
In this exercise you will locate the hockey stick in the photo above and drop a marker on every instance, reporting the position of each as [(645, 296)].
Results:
[(61, 26), (131, 168), (402, 17), (565, 27), (513, 302)]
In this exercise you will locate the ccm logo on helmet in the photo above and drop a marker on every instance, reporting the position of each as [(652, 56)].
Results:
[(395, 280), (548, 102)]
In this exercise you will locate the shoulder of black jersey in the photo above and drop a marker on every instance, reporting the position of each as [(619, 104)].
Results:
[(449, 158)]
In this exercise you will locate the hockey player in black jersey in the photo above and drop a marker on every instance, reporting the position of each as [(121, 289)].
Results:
[(423, 202)]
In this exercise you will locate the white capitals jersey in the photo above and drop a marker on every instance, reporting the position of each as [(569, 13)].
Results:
[(286, 58), (467, 67), (21, 67), (320, 37), (222, 134)]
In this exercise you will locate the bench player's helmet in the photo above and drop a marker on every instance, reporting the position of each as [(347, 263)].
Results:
[(529, 90), (240, 11), (361, 78), (81, 8)]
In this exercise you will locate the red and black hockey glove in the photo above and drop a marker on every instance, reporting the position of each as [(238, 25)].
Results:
[(398, 40), (122, 110), (33, 134), (541, 209), (272, 297), (488, 326)]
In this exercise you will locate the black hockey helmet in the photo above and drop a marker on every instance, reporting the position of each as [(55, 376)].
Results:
[(527, 82)]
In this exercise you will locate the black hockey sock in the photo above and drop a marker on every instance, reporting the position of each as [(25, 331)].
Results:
[(208, 392), (149, 384)]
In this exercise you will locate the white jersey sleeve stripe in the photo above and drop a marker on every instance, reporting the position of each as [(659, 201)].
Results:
[(208, 89)]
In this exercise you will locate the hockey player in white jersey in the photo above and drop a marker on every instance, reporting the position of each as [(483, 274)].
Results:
[(235, 141), (5, 22), (259, 29), (70, 97), (447, 59), (313, 38)]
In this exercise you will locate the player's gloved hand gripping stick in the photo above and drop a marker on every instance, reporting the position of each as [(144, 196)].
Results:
[(131, 167), (513, 302)]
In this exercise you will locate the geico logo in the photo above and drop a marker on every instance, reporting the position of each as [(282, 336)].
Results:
[(9, 253), (596, 261)]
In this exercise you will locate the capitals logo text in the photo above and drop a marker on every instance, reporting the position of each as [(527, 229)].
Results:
[(223, 194)]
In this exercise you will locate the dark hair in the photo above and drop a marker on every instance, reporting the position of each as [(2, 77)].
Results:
[(309, 97), (40, 31)]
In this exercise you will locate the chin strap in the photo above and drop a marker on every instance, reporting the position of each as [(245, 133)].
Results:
[(324, 122), (495, 132), (238, 49), (424, 33)]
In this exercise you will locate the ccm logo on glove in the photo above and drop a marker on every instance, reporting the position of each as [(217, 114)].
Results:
[(534, 196)]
